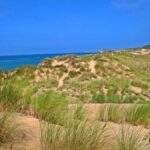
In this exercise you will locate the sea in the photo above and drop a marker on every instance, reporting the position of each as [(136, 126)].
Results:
[(8, 63)]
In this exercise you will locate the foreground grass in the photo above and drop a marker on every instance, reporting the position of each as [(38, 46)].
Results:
[(129, 139), (115, 81), (49, 105), (74, 135), (92, 135), (7, 129)]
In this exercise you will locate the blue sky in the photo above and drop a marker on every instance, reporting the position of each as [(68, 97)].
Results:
[(58, 26)]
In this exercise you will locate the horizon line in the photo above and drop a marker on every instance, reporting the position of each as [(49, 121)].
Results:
[(47, 53)]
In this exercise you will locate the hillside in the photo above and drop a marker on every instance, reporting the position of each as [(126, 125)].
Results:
[(120, 76), (90, 102)]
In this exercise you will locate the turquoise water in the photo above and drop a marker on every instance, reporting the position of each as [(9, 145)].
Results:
[(11, 62)]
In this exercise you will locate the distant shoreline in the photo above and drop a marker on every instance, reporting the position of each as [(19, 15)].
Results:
[(10, 62)]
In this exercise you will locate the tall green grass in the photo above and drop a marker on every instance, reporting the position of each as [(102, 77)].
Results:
[(139, 115), (113, 113), (10, 97), (16, 94), (74, 135), (78, 112), (49, 105)]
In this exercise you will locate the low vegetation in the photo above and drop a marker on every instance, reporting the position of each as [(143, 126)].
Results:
[(137, 115), (79, 101), (129, 139), (7, 129), (74, 135)]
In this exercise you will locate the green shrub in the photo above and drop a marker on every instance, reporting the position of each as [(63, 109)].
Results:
[(73, 74), (87, 76), (140, 84), (99, 98), (47, 63), (62, 68), (114, 99), (25, 70), (129, 99)]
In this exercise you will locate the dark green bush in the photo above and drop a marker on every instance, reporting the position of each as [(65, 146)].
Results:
[(99, 98), (73, 74)]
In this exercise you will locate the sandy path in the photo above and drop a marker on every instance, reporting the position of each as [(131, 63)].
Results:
[(92, 65), (61, 80), (27, 134)]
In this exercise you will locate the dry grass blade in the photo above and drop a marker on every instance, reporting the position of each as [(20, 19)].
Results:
[(130, 138), (7, 129)]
